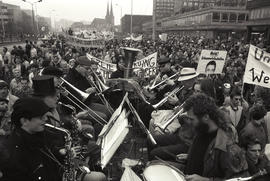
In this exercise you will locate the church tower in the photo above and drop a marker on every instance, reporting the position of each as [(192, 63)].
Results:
[(111, 15), (107, 17)]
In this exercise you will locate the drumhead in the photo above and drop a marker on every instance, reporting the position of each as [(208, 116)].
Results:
[(162, 172)]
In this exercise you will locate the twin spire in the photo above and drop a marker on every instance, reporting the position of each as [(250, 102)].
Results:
[(109, 15)]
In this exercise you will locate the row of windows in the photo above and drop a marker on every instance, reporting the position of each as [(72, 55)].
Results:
[(208, 18), (260, 13)]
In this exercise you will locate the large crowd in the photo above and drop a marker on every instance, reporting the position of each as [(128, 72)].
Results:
[(221, 133)]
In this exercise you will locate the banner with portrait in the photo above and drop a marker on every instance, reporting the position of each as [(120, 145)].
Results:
[(146, 66), (257, 70), (211, 61)]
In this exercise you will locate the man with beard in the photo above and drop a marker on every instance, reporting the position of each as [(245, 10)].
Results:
[(213, 154)]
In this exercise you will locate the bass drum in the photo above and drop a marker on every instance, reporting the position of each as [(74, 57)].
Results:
[(159, 171)]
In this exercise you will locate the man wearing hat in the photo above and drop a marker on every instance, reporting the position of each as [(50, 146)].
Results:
[(43, 87), (187, 79), (79, 76), (29, 153)]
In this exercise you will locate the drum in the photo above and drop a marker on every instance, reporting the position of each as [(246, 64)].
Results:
[(159, 171)]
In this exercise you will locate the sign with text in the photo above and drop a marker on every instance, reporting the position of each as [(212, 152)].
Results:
[(147, 65), (258, 67), (87, 43), (211, 61), (105, 68)]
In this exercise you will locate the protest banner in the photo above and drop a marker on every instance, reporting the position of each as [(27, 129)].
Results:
[(211, 61), (257, 70), (87, 43), (147, 64), (105, 68)]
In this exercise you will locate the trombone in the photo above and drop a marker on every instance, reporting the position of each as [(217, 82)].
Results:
[(165, 99), (162, 82), (101, 87), (169, 121), (83, 106)]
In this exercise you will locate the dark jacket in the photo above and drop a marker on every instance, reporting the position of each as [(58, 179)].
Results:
[(224, 159), (25, 157)]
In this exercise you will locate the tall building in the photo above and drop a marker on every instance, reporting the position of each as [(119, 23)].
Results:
[(137, 23), (164, 8)]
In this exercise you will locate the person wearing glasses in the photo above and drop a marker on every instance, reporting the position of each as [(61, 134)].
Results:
[(235, 110)]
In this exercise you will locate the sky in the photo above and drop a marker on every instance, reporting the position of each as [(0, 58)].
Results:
[(86, 10)]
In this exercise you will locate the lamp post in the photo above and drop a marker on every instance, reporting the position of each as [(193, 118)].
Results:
[(33, 14), (2, 19), (131, 18)]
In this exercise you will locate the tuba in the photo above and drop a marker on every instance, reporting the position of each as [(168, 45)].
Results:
[(130, 58)]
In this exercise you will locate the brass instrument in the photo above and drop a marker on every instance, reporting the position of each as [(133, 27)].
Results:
[(130, 57), (101, 87), (169, 121), (165, 99), (82, 105), (72, 172), (164, 81)]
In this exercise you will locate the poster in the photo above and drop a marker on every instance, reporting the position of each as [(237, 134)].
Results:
[(257, 70), (146, 65), (211, 61)]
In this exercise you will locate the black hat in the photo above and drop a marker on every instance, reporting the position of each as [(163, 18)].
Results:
[(28, 108), (52, 71), (43, 86), (163, 60)]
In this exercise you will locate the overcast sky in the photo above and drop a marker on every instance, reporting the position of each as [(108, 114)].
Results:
[(86, 10)]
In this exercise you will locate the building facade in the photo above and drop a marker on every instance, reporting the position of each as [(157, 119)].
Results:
[(137, 23), (209, 18), (164, 8), (259, 19)]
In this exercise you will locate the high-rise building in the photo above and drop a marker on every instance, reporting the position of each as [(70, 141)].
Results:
[(164, 8)]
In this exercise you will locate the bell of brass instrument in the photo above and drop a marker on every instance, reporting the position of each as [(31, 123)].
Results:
[(169, 121), (130, 57), (82, 94), (165, 99)]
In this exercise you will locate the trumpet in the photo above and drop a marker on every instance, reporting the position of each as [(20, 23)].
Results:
[(164, 81), (83, 106), (169, 121), (165, 99)]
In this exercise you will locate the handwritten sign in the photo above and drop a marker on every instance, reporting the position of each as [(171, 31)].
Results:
[(88, 43), (105, 68), (258, 67), (147, 64)]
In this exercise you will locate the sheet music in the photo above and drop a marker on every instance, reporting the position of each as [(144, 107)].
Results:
[(114, 138), (129, 175)]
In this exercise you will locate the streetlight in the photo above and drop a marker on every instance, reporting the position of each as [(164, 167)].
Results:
[(131, 17), (53, 19), (121, 11), (2, 19), (32, 4)]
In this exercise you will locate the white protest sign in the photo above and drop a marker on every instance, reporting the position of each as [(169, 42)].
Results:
[(258, 67), (211, 61), (105, 68), (139, 38), (148, 64), (163, 36)]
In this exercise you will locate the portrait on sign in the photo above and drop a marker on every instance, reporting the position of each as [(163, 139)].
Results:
[(211, 62)]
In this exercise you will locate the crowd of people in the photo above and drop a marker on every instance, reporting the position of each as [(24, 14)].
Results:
[(221, 129)]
